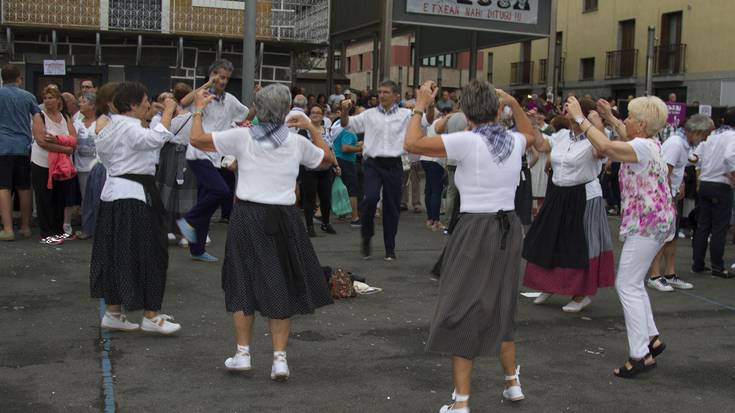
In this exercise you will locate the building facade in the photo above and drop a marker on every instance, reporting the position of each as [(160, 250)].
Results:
[(158, 42), (602, 50)]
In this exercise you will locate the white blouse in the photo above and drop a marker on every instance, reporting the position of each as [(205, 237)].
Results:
[(124, 146), (574, 162), (39, 156), (266, 174), (218, 116), (484, 185)]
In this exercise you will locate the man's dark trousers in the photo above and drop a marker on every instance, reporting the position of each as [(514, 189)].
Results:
[(385, 174)]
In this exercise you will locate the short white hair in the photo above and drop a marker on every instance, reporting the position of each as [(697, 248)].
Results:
[(273, 103), (651, 110)]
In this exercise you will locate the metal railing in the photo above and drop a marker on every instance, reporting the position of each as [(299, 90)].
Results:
[(135, 15), (521, 73), (57, 14), (621, 63), (669, 59)]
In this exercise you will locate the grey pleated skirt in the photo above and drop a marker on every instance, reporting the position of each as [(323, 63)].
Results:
[(478, 288)]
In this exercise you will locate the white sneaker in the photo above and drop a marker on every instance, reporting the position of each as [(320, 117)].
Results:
[(183, 243), (117, 321), (659, 284), (239, 362), (449, 408), (279, 371), (542, 298), (677, 282), (514, 393), (575, 307), (171, 236), (159, 324)]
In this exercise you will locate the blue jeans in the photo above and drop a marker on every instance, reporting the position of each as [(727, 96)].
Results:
[(433, 189)]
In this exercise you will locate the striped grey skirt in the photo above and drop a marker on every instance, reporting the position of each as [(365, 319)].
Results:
[(478, 288), (176, 183)]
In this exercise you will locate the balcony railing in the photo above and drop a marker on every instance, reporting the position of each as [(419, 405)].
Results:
[(521, 73), (621, 63), (669, 59), (135, 15), (56, 14)]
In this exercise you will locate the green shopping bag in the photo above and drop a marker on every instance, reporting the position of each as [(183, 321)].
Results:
[(340, 198)]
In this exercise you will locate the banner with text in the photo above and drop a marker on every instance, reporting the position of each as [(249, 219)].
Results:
[(512, 11), (677, 113)]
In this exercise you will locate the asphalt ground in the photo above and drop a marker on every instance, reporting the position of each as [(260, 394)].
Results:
[(362, 354)]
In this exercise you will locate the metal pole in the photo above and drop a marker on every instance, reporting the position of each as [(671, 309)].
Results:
[(260, 63), (139, 50), (97, 49), (416, 59), (219, 49), (551, 57), (386, 37), (53, 43), (330, 67), (473, 59), (375, 62), (649, 61), (248, 52)]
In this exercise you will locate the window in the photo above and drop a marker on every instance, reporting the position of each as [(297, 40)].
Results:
[(436, 61), (490, 67), (589, 6), (359, 62), (587, 68), (349, 65)]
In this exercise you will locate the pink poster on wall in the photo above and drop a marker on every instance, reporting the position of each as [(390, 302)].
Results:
[(677, 113)]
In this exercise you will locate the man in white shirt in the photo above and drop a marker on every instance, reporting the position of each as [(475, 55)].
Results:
[(716, 157), (676, 154), (336, 98), (212, 189), (385, 130)]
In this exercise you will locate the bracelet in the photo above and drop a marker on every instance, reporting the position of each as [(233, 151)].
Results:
[(196, 113)]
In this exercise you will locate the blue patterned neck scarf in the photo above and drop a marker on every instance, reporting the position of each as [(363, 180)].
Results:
[(576, 138), (393, 109), (277, 133), (499, 141)]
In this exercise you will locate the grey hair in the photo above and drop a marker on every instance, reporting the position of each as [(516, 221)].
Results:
[(273, 103), (390, 84), (699, 123), (221, 64), (90, 97), (479, 102), (300, 101)]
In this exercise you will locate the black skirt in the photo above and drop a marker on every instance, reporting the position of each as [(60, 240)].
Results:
[(256, 276), (524, 197), (129, 262), (556, 237)]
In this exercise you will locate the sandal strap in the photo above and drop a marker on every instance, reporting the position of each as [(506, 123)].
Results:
[(515, 376)]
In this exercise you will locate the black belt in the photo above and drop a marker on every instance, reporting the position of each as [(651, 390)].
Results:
[(277, 226), (153, 200), (387, 161)]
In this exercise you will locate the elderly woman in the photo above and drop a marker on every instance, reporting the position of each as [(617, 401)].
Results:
[(647, 216), (317, 181), (478, 289), (270, 265), (85, 155), (568, 248), (129, 255), (51, 123)]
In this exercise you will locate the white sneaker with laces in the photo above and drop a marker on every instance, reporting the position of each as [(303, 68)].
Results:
[(239, 362), (448, 408), (514, 393), (542, 298), (660, 284), (677, 282), (575, 307), (159, 324), (279, 371), (117, 321)]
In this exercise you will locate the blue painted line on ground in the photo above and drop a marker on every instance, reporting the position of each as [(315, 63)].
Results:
[(707, 300), (107, 383)]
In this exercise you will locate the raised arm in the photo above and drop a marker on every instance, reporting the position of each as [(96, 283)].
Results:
[(187, 100), (197, 137), (605, 111), (344, 116), (615, 150), (302, 122), (416, 141), (523, 124)]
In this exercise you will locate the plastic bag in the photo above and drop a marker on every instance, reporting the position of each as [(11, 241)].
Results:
[(340, 198)]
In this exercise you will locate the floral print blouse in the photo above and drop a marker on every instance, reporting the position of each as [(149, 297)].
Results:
[(647, 206)]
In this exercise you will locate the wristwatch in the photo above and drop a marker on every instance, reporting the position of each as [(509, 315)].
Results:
[(417, 112), (580, 120)]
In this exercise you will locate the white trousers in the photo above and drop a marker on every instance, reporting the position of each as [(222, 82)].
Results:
[(635, 260)]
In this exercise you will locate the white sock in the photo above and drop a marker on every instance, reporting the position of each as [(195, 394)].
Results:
[(279, 353), (243, 349)]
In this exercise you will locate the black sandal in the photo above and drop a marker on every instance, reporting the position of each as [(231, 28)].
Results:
[(638, 366), (656, 351)]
